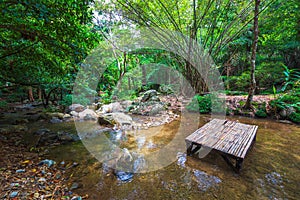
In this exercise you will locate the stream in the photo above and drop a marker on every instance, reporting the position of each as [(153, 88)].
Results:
[(270, 171)]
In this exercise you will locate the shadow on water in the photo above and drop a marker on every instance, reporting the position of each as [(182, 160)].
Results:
[(270, 171)]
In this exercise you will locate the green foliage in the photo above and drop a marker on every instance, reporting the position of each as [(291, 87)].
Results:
[(261, 112), (69, 99), (295, 117), (42, 41), (200, 104), (206, 104), (288, 100), (292, 77), (3, 104)]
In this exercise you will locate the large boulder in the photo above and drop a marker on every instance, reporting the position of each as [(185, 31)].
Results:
[(150, 95), (76, 107), (111, 108), (120, 119), (87, 114)]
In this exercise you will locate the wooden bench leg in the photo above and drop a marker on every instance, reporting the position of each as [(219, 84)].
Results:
[(190, 150), (238, 163)]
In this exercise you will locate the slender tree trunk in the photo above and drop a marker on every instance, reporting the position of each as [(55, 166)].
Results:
[(248, 104), (40, 93), (129, 83), (30, 94)]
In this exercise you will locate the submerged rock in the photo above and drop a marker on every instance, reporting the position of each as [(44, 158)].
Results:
[(205, 181), (124, 176), (55, 120)]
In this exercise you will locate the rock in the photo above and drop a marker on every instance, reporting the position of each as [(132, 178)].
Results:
[(120, 119), (124, 176), (164, 89), (64, 136), (290, 110), (67, 116), (282, 113), (76, 107), (148, 95), (56, 114), (55, 120), (47, 162), (74, 186), (87, 114), (285, 122), (286, 112), (74, 113), (106, 120), (126, 104), (156, 108), (76, 198), (111, 108), (14, 194), (42, 131), (20, 170)]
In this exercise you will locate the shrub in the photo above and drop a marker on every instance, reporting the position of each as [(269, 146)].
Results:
[(200, 104), (295, 117), (261, 113), (203, 104), (69, 99), (3, 104)]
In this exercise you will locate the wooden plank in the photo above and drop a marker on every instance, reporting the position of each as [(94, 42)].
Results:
[(244, 152)]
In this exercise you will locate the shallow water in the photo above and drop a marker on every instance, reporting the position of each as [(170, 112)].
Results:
[(270, 170)]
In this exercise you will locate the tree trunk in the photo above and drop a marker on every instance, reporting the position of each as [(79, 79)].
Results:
[(248, 104), (40, 93), (30, 94)]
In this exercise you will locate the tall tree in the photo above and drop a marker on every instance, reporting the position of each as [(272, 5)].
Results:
[(253, 57), (211, 23)]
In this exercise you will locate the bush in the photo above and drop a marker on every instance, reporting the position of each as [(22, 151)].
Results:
[(69, 99), (295, 117), (261, 113), (3, 104), (203, 104), (200, 104)]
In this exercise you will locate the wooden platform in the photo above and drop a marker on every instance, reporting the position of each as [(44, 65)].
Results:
[(230, 138)]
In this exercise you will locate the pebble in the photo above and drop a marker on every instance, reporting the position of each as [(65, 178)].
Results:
[(47, 162), (36, 195), (13, 194), (20, 170), (74, 186)]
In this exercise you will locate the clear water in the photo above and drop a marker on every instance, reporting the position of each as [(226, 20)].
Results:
[(271, 170)]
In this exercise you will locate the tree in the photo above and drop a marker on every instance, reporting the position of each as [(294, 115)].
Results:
[(253, 57), (43, 40), (211, 23)]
